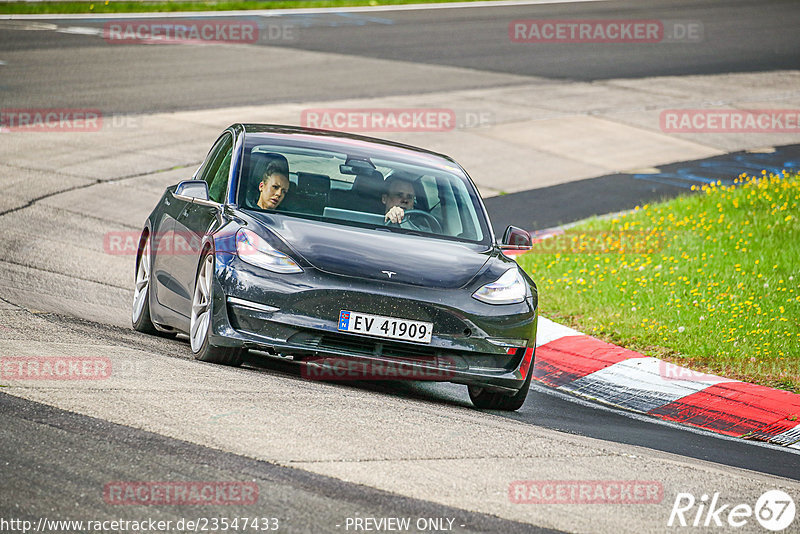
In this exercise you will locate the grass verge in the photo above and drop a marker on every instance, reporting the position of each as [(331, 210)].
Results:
[(709, 281), (44, 8)]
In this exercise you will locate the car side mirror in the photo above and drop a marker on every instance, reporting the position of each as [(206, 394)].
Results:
[(516, 239), (195, 191)]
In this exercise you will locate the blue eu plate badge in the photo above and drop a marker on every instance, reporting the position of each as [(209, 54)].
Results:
[(344, 319)]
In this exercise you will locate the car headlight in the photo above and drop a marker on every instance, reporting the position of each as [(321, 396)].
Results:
[(508, 289), (254, 250)]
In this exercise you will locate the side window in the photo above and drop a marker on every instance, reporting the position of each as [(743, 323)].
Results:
[(215, 173), (216, 190)]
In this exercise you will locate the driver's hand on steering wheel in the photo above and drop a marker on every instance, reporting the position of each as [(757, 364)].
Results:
[(395, 215)]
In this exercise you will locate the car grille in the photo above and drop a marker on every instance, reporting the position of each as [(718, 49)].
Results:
[(431, 356), (360, 345)]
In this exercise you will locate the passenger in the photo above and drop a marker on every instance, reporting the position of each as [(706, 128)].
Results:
[(398, 198), (274, 184)]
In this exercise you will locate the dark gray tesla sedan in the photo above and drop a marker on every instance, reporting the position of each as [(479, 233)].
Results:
[(360, 258)]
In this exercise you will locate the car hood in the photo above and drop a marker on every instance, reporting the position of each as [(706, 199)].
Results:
[(380, 254)]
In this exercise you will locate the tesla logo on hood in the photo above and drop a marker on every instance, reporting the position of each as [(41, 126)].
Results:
[(389, 273)]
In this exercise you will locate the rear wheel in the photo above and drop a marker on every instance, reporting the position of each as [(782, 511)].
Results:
[(140, 316), (491, 400), (200, 319)]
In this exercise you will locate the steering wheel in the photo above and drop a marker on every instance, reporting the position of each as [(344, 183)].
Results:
[(422, 221)]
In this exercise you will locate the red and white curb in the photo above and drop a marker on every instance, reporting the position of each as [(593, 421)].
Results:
[(582, 365)]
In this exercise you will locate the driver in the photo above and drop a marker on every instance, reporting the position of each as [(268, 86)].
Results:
[(398, 198)]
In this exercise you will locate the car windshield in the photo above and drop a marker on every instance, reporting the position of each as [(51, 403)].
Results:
[(436, 198)]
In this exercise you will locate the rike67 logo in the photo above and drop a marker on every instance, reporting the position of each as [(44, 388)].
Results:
[(774, 510)]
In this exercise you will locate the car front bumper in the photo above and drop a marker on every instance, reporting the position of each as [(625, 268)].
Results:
[(473, 343)]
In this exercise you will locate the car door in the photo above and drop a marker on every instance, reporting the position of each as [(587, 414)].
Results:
[(161, 242), (195, 221)]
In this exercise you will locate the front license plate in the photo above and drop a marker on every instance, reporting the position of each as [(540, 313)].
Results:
[(389, 327)]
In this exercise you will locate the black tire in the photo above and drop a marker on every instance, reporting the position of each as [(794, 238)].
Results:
[(145, 324), (140, 314), (232, 356), (198, 334), (491, 400)]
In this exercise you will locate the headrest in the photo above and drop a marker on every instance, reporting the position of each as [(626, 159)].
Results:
[(308, 182), (370, 182), (259, 161)]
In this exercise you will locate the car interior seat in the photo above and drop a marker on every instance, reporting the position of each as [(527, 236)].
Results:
[(310, 196), (365, 195)]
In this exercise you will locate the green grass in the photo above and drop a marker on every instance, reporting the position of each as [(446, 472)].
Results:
[(174, 6), (709, 281)]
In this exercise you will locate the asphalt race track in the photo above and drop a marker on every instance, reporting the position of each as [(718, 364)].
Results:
[(322, 454), (100, 451), (743, 36)]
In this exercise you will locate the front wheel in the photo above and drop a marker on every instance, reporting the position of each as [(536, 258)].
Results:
[(200, 319), (492, 400)]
